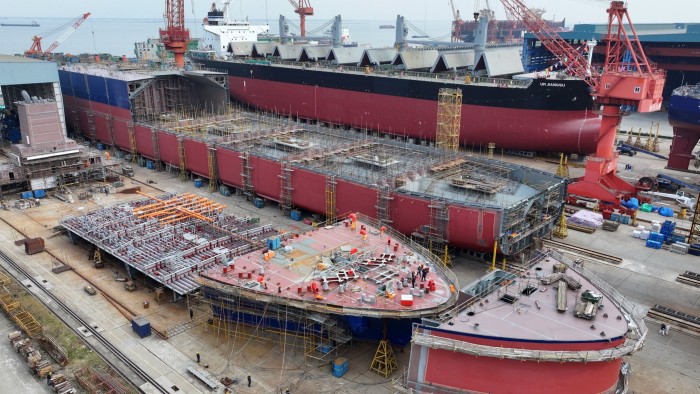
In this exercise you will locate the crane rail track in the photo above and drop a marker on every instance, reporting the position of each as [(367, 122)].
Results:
[(141, 373), (583, 252)]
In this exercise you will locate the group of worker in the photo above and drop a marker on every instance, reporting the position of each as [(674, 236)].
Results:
[(421, 272)]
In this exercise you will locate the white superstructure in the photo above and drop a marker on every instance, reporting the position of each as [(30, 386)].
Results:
[(220, 31)]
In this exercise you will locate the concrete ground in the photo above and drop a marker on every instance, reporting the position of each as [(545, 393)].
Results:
[(667, 364), (14, 372)]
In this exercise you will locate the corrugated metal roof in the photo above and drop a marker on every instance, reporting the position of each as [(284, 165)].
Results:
[(374, 57), (288, 51), (505, 61), (314, 53), (350, 55), (262, 49), (453, 61), (19, 70), (415, 60)]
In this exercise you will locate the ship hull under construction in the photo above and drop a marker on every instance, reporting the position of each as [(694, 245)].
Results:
[(473, 224), (542, 116)]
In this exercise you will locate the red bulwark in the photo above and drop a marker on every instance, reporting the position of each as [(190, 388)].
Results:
[(529, 130), (310, 193), (230, 167), (265, 177), (167, 143), (409, 213), (144, 141), (196, 154), (351, 197), (121, 134)]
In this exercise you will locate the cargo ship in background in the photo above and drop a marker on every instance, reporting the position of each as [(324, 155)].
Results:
[(375, 90), (508, 31), (684, 116), (674, 47)]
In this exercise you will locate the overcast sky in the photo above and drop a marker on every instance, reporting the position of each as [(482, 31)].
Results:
[(575, 11)]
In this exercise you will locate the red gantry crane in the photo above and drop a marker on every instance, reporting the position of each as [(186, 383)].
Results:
[(175, 36), (66, 29), (303, 8), (627, 82)]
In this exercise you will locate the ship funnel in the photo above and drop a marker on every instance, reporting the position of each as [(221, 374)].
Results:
[(25, 96)]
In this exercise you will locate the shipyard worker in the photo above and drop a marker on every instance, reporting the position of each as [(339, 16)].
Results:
[(249, 380), (198, 358), (413, 280), (425, 272), (663, 329)]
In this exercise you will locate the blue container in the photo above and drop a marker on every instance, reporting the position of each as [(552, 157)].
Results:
[(100, 146), (198, 183), (295, 215), (259, 202), (625, 219), (14, 135), (224, 191), (653, 244), (615, 217), (141, 326), (150, 165), (41, 193), (274, 243), (27, 195), (668, 228)]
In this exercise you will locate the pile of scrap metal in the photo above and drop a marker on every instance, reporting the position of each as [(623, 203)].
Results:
[(589, 304), (571, 283)]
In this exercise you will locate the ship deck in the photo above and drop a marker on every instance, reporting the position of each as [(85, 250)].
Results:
[(534, 317), (334, 269)]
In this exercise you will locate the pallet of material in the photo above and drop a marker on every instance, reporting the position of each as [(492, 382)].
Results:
[(583, 229), (609, 225)]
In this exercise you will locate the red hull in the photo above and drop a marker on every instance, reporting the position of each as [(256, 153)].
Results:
[(517, 129), (485, 374), (469, 228)]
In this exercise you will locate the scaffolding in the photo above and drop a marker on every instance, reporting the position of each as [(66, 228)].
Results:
[(178, 208), (132, 142), (246, 175), (110, 130), (211, 161), (563, 168), (331, 210), (448, 119), (156, 149), (181, 158), (286, 187), (321, 337), (76, 121), (94, 381), (384, 361), (384, 197), (14, 309), (91, 125)]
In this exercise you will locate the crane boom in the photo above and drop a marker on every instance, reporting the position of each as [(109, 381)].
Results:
[(627, 81), (303, 8), (66, 30)]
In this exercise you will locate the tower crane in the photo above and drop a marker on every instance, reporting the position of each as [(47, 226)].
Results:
[(627, 82), (303, 8), (65, 29), (175, 36)]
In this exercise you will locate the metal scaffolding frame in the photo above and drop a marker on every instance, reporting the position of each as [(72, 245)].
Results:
[(286, 188), (449, 117), (156, 149), (331, 209), (181, 158), (211, 162), (132, 142)]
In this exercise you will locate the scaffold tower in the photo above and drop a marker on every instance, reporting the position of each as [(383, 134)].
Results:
[(246, 175), (384, 362), (211, 161), (91, 125), (330, 199), (286, 187), (437, 230), (384, 197), (156, 149), (110, 129), (181, 158), (76, 121), (448, 119), (132, 142), (563, 168)]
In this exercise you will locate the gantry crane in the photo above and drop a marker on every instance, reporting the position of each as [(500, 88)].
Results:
[(175, 36), (66, 29), (627, 82), (303, 8)]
